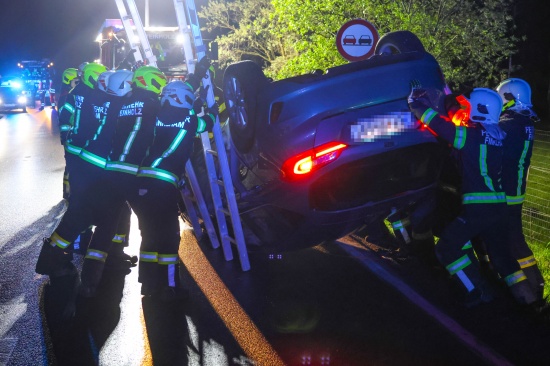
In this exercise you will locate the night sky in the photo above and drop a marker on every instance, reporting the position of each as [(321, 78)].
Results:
[(63, 30)]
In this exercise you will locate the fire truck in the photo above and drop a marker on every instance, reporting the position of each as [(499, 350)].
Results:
[(165, 42), (38, 76)]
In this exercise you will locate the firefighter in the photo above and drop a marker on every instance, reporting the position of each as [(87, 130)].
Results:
[(156, 202), (117, 86), (517, 120), (45, 85), (69, 79), (479, 148), (78, 121), (52, 88), (200, 102), (132, 134)]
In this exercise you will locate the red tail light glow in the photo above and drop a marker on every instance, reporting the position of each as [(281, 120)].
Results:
[(462, 115), (301, 165)]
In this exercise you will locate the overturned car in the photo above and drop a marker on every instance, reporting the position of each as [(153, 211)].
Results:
[(316, 156)]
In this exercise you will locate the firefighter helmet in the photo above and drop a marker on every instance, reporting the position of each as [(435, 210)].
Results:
[(91, 72), (178, 94), (120, 83), (68, 75), (485, 105), (149, 78), (81, 68), (103, 80), (516, 92)]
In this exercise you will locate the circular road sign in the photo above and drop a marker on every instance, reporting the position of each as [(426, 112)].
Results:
[(356, 40)]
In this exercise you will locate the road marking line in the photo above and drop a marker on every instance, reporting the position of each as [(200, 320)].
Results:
[(245, 332), (462, 334)]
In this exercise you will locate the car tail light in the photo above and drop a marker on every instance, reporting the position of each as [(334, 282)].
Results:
[(301, 165)]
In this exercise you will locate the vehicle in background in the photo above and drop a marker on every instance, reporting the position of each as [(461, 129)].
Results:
[(13, 94), (314, 157), (38, 76)]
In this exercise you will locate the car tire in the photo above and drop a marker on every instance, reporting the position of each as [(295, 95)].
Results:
[(241, 83), (24, 109), (398, 42)]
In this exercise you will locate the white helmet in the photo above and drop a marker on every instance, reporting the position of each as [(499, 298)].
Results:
[(178, 94), (103, 80), (120, 83), (486, 106), (517, 90), (81, 68)]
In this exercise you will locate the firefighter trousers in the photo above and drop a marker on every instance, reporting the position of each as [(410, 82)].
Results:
[(521, 251), (92, 202), (156, 205), (454, 249)]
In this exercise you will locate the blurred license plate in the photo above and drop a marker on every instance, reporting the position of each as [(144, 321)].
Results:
[(382, 126)]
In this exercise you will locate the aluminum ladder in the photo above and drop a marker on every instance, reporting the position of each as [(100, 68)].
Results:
[(193, 195), (192, 33), (131, 22)]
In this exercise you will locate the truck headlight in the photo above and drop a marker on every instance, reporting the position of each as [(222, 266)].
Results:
[(22, 100)]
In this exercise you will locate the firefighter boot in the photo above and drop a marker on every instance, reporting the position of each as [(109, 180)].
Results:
[(523, 293), (475, 287), (534, 277), (53, 261), (117, 259), (401, 227), (90, 277)]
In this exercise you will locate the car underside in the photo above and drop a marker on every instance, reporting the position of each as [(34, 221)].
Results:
[(316, 156)]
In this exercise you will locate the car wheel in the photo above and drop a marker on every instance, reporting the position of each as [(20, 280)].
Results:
[(24, 109), (398, 42), (241, 83)]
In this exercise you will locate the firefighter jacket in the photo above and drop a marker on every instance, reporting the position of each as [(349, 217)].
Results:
[(479, 154), (70, 117), (63, 94), (518, 148), (134, 131), (175, 129), (98, 146)]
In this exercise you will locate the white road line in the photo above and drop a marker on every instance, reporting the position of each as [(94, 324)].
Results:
[(369, 261)]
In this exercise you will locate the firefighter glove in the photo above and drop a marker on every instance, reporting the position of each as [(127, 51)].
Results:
[(416, 93), (202, 67), (203, 93), (197, 105), (213, 109)]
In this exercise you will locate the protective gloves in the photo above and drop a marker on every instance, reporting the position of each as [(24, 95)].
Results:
[(416, 91), (202, 67)]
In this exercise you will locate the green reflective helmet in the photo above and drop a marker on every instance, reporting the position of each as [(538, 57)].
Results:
[(91, 72), (69, 75), (149, 78)]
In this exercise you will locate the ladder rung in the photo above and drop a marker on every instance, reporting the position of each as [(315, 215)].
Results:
[(219, 182), (213, 152), (231, 239), (225, 211)]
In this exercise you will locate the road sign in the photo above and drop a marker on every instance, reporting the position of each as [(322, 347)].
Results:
[(356, 40)]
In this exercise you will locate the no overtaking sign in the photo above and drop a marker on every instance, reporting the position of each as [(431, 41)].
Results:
[(356, 40)]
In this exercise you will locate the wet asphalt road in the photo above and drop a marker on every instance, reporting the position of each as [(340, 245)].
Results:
[(342, 303)]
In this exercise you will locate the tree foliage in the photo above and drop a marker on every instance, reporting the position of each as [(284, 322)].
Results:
[(471, 39), (246, 29)]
